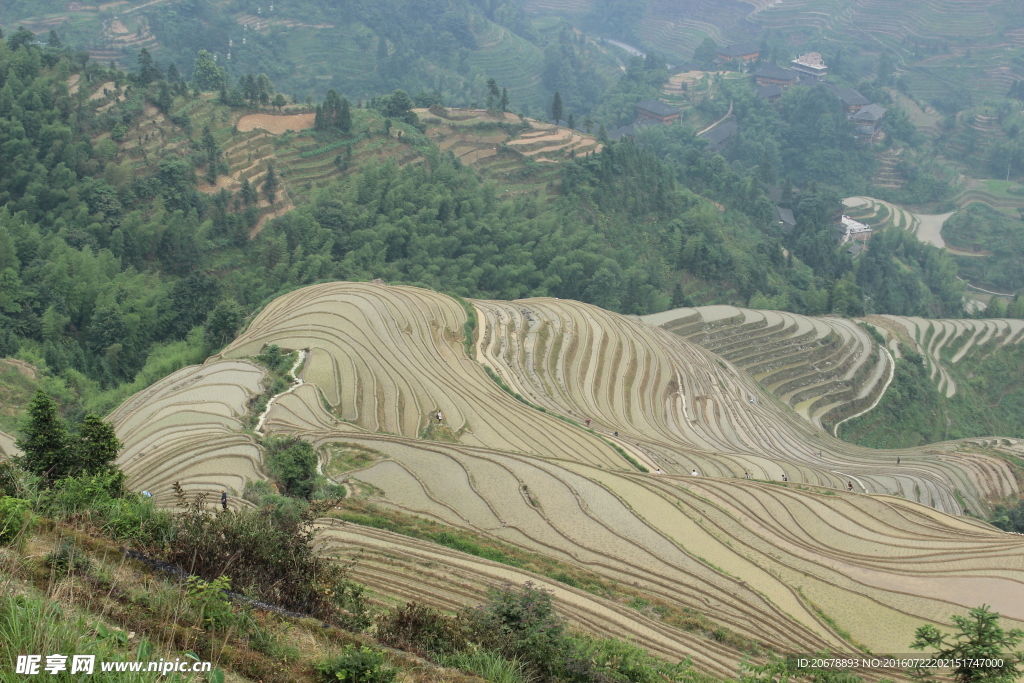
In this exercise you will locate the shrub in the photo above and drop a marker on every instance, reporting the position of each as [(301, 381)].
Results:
[(15, 515), (522, 623), (361, 665), (68, 559), (421, 629), (272, 556), (293, 463), (211, 599), (100, 499)]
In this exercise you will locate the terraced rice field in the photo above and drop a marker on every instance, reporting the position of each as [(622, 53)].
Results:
[(511, 60), (823, 368), (944, 343), (7, 447), (188, 428), (520, 154), (387, 359), (678, 407), (737, 550), (764, 559)]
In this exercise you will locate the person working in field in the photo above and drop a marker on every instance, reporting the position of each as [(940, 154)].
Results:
[(224, 499)]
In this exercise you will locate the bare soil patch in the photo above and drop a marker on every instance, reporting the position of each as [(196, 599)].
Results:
[(275, 124), (24, 368)]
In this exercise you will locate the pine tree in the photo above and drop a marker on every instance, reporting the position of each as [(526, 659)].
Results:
[(978, 638), (345, 117), (504, 100), (212, 155), (270, 185), (571, 123), (492, 93), (556, 108), (247, 193), (45, 441)]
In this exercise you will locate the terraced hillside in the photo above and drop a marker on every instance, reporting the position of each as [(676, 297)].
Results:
[(521, 154), (189, 428), (824, 368), (673, 405), (388, 359), (790, 566), (986, 28), (880, 214), (944, 343), (756, 557)]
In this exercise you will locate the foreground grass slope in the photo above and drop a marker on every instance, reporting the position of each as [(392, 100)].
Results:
[(799, 566)]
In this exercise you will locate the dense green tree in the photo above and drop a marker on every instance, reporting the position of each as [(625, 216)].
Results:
[(706, 52), (293, 464), (44, 439), (247, 193), (206, 75), (96, 446), (149, 70), (556, 108), (223, 322)]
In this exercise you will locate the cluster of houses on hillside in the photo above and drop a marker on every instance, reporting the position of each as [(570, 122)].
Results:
[(807, 69), (771, 81)]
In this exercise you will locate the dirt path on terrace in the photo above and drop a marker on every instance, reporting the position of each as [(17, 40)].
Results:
[(262, 222), (275, 123)]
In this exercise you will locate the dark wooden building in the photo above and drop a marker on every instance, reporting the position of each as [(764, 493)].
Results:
[(770, 74), (748, 52), (653, 111)]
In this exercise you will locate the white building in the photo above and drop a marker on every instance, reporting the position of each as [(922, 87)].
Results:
[(850, 229), (810, 64)]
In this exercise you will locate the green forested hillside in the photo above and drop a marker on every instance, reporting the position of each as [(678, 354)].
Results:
[(992, 244), (120, 261)]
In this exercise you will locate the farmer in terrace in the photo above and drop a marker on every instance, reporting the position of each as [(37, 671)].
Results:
[(224, 499), (439, 417)]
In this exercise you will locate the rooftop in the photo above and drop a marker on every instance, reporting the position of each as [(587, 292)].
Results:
[(872, 112), (624, 132), (658, 108), (852, 98), (775, 72), (784, 216), (738, 50), (720, 133)]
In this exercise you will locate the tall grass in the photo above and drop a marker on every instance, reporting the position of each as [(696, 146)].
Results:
[(488, 665), (32, 625)]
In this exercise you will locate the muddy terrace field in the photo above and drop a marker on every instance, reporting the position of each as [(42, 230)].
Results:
[(801, 566)]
